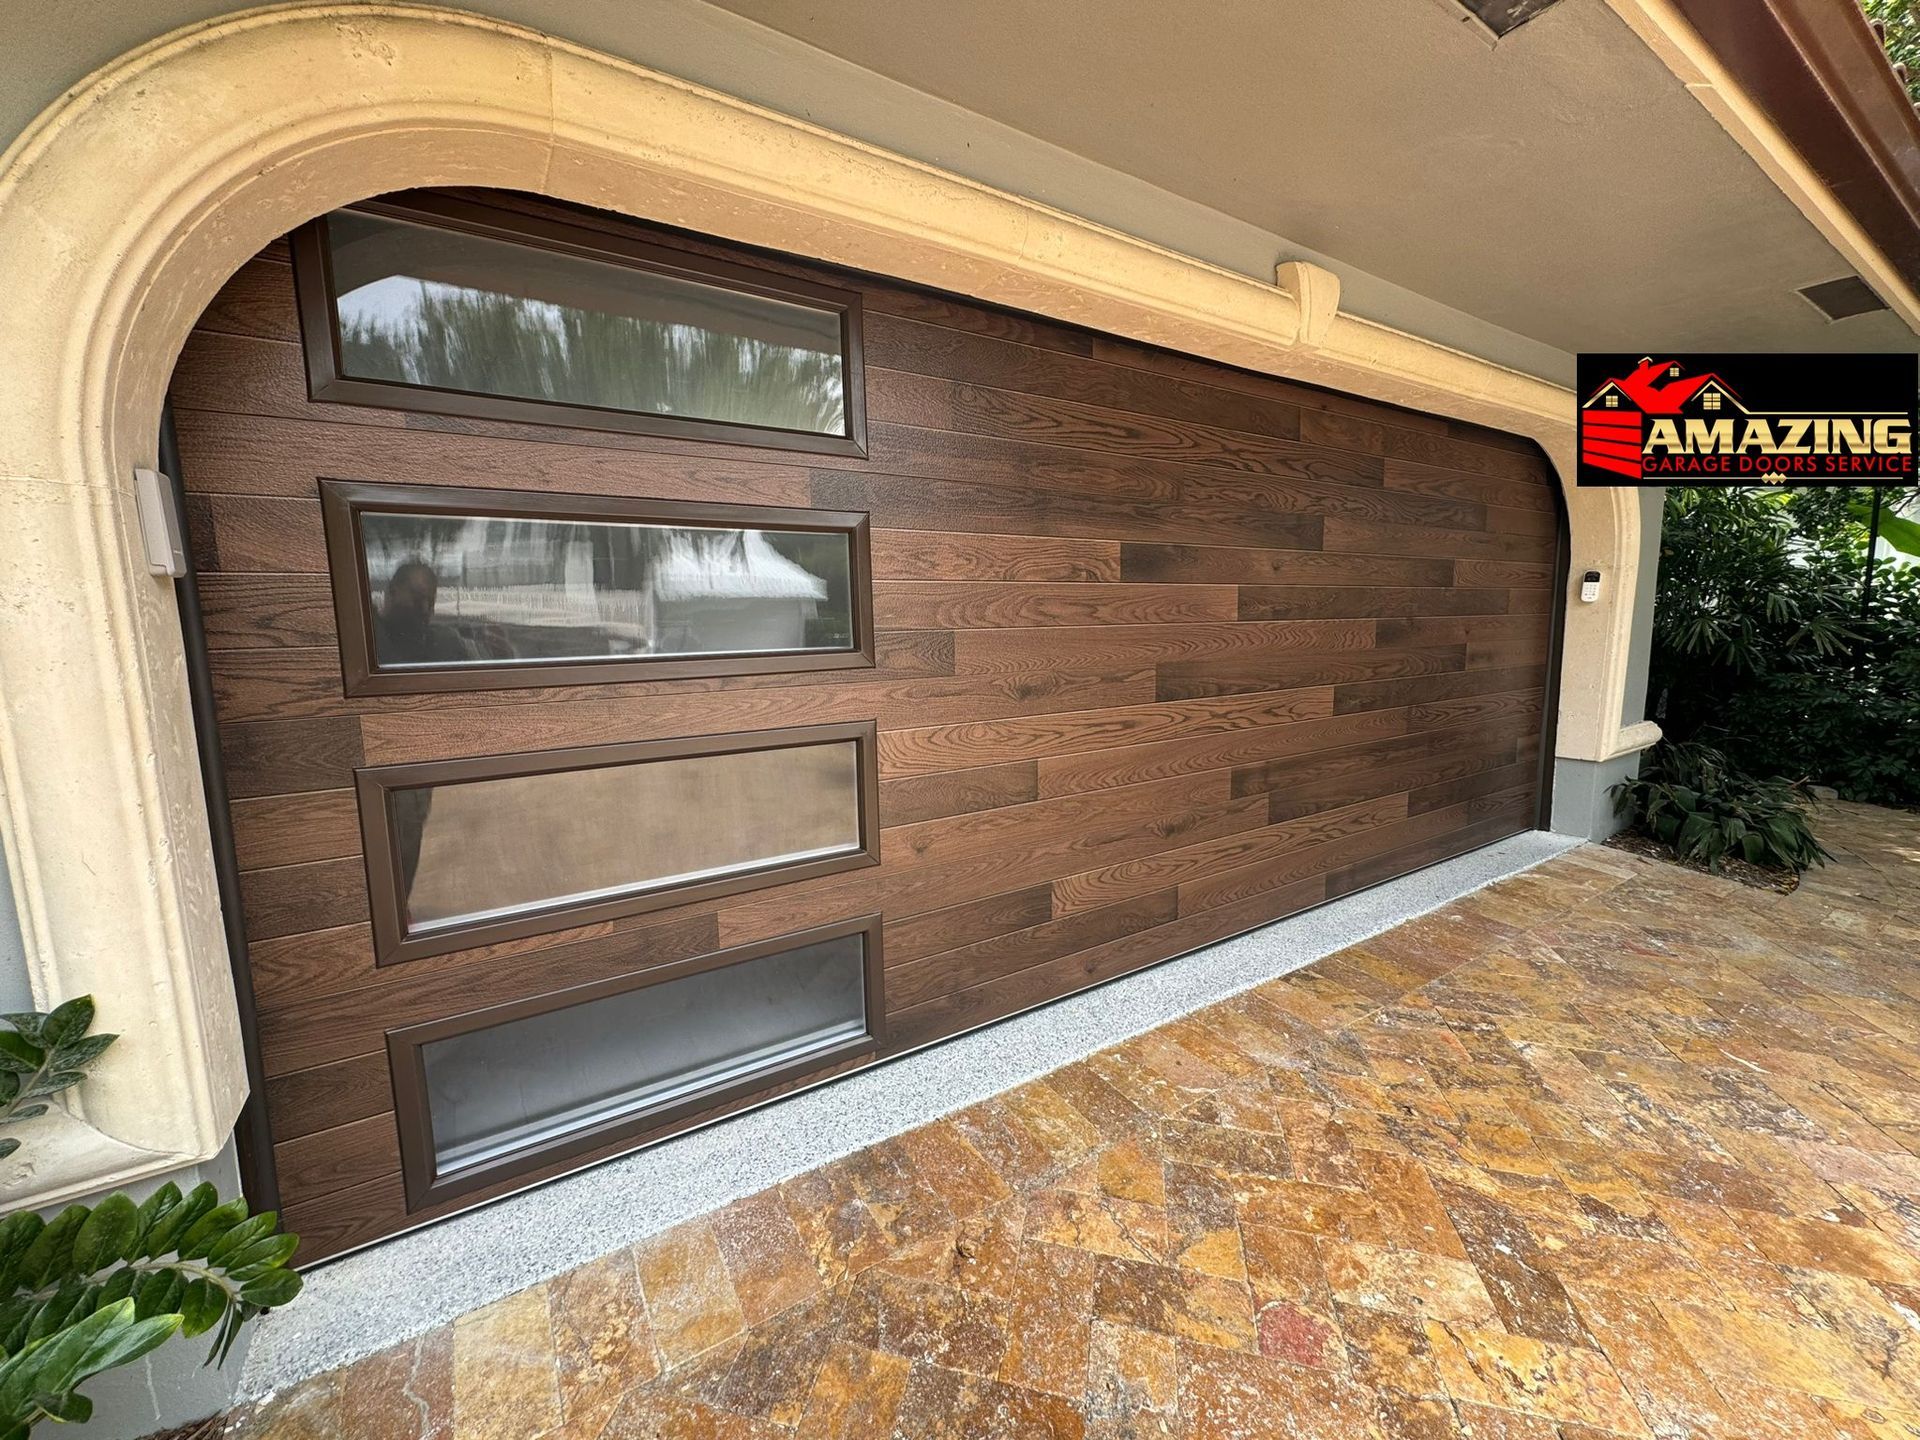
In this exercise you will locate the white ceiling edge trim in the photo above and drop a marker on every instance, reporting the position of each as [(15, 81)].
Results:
[(1679, 47)]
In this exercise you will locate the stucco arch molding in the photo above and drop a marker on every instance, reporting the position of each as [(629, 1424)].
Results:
[(128, 204)]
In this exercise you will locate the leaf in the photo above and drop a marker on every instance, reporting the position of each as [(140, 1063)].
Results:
[(67, 1408), (207, 1231), (276, 1287), (84, 1051), (1898, 531), (125, 1340), (168, 1230), (7, 1146), (260, 1257), (107, 1234), (152, 1210), (68, 1022), (158, 1292), (201, 1307), (17, 1232), (30, 1023), (241, 1236), (51, 1252), (18, 1055)]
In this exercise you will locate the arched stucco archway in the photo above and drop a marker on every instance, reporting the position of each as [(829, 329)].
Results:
[(128, 204)]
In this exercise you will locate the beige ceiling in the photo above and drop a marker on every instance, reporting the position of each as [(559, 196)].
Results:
[(1561, 184)]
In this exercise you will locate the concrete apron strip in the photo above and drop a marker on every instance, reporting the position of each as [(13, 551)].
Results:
[(402, 1287)]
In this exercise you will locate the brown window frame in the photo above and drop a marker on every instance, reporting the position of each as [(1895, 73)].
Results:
[(343, 502), (426, 1186), (320, 333), (392, 945)]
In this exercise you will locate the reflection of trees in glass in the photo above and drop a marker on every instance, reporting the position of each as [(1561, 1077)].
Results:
[(461, 339)]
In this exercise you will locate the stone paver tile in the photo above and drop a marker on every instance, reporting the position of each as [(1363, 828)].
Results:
[(1516, 1269), (1108, 1110), (1611, 1150), (1408, 1282), (664, 1415), (1099, 1223), (944, 1324), (1126, 1171), (986, 1251), (1731, 1346), (833, 1222), (955, 1171), (1284, 1265), (601, 1337), (1203, 1221), (1768, 1413), (1212, 1047), (1049, 1320), (1674, 1396), (1487, 1422), (1868, 1422), (768, 1263), (1388, 1351), (1517, 1372), (402, 1393), (688, 1292), (505, 1385), (1300, 1335), (903, 1203), (766, 1372), (1234, 1396), (1403, 1208), (1303, 1206), (1130, 1373), (1065, 1134), (307, 1411), (1184, 1304), (856, 1395), (1813, 1244), (944, 1404), (1013, 1150)]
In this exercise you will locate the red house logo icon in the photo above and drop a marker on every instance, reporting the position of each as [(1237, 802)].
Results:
[(1613, 417)]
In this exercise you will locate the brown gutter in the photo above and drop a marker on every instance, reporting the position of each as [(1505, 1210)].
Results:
[(1818, 71)]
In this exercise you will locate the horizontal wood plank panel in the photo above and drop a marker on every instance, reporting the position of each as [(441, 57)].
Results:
[(1163, 651), (1231, 565), (326, 1096)]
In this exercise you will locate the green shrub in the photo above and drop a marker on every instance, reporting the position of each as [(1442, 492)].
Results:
[(1762, 651), (1692, 801), (100, 1286)]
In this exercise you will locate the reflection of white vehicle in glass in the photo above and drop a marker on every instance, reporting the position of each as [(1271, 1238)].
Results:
[(564, 590)]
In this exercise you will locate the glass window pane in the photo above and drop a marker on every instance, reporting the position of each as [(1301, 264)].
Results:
[(421, 305), (457, 591), (484, 850), (530, 1081)]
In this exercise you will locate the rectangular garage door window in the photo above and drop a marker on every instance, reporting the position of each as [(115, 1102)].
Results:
[(468, 852), (494, 1092), (437, 588), (444, 305)]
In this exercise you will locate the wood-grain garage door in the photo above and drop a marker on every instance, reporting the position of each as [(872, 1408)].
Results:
[(1104, 653)]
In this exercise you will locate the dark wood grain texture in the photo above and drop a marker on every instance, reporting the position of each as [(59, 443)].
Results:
[(1163, 651)]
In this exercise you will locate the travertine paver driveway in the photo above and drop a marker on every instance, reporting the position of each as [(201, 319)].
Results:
[(1607, 1149)]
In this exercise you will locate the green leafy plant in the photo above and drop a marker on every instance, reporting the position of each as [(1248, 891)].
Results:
[(97, 1287), (1692, 801), (1901, 37), (1766, 647)]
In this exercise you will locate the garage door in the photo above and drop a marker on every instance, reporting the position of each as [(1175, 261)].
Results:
[(652, 677)]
